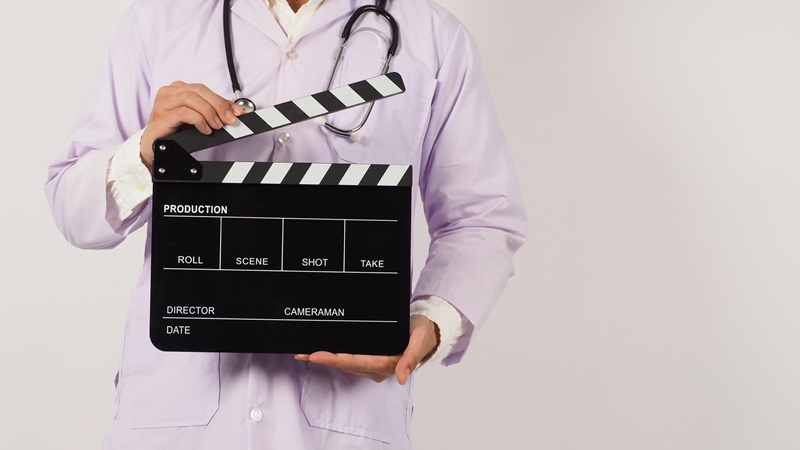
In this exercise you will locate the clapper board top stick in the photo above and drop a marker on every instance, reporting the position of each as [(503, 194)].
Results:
[(170, 152), (263, 257)]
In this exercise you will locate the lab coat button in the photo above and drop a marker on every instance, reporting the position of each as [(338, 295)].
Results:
[(284, 138), (292, 53), (256, 415)]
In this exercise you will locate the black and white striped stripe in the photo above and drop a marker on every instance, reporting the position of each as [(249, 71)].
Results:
[(312, 174), (291, 112)]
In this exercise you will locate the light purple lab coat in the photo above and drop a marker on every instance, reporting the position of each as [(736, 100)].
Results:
[(445, 125)]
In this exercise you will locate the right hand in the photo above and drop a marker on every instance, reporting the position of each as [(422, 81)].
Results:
[(179, 104)]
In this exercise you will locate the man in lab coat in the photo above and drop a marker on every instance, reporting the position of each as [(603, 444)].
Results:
[(166, 68)]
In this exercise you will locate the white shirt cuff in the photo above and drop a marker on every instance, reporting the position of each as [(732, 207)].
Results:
[(129, 182), (450, 321)]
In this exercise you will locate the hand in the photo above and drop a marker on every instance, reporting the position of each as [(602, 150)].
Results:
[(179, 104), (423, 340)]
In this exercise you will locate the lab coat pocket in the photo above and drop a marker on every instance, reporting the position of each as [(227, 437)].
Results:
[(337, 401), (163, 389), (394, 131)]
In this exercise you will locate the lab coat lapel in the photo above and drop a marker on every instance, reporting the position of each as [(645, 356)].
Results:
[(330, 11), (255, 13)]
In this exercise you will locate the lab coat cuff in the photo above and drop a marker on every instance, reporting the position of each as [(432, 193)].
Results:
[(449, 320), (129, 182)]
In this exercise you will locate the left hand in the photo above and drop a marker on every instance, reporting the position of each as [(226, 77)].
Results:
[(422, 341)]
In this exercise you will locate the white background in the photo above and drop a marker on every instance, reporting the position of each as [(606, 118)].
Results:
[(656, 303)]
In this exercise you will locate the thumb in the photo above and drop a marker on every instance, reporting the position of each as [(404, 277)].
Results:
[(413, 354), (408, 362)]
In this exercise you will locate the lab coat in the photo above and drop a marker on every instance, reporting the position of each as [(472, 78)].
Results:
[(444, 125)]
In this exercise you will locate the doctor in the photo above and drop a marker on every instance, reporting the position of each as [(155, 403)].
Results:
[(166, 68)]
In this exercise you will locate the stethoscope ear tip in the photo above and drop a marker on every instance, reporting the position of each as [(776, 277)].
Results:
[(353, 135)]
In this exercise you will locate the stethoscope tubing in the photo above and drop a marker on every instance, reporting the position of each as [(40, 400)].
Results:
[(226, 31), (378, 8)]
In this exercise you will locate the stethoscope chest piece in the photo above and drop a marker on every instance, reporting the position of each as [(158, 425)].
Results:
[(246, 104)]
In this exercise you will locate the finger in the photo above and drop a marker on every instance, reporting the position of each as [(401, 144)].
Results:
[(238, 110), (338, 360), (419, 345), (164, 123), (225, 109), (357, 363), (374, 376), (216, 109), (375, 368), (192, 117), (186, 98), (409, 361)]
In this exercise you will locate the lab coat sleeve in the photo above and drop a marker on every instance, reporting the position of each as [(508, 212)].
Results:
[(77, 187), (471, 196), (129, 182), (452, 325)]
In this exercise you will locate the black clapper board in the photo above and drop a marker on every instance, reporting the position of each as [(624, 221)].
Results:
[(263, 257)]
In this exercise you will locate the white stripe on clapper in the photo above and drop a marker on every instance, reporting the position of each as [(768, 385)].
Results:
[(273, 117), (384, 85), (276, 173), (315, 173), (354, 174), (238, 129), (310, 106), (347, 96), (238, 171), (393, 175)]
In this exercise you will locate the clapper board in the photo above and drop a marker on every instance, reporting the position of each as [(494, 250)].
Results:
[(263, 257)]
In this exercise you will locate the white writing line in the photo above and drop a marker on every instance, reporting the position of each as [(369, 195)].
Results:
[(277, 270), (256, 319), (278, 218), (344, 246)]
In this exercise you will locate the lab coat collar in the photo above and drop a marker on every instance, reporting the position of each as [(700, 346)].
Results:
[(330, 11), (255, 12)]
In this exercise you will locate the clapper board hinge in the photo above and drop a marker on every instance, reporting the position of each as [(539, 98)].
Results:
[(172, 163), (172, 153)]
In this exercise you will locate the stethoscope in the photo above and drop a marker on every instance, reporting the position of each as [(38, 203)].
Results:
[(378, 8)]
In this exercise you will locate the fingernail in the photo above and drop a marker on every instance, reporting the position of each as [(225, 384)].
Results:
[(238, 109), (208, 129), (301, 357), (217, 122), (229, 115)]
